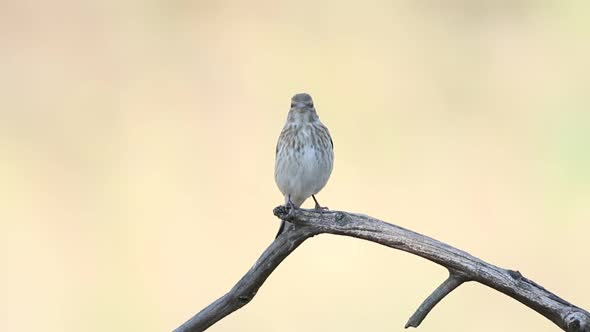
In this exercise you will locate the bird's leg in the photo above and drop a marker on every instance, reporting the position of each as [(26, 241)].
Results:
[(317, 205), (292, 208), (290, 204)]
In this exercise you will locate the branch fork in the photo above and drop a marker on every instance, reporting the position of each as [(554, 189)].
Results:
[(462, 267)]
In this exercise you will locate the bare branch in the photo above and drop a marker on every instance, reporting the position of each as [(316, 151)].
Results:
[(453, 281), (462, 266), (246, 288)]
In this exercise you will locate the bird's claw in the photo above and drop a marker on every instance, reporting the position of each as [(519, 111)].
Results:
[(317, 205), (321, 208), (291, 208), (290, 205)]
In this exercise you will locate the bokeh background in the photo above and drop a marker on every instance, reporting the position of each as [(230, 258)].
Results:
[(137, 155)]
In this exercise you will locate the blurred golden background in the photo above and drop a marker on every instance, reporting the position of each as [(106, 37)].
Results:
[(138, 151)]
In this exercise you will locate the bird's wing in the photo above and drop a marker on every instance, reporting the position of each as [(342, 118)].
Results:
[(283, 133)]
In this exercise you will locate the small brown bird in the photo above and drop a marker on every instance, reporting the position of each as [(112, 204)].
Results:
[(304, 154)]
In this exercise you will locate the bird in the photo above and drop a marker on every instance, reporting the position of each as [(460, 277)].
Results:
[(304, 155)]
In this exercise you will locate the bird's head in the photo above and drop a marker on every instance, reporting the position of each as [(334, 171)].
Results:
[(302, 110)]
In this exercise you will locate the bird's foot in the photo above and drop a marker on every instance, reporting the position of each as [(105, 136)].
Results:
[(289, 205), (323, 208), (317, 205)]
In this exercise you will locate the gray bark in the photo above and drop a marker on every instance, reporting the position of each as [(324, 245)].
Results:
[(462, 267)]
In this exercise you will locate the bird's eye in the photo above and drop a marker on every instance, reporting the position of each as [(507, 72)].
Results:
[(292, 105), (311, 105)]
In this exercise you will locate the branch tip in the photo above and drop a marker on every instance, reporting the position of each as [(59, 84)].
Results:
[(453, 281), (281, 211)]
